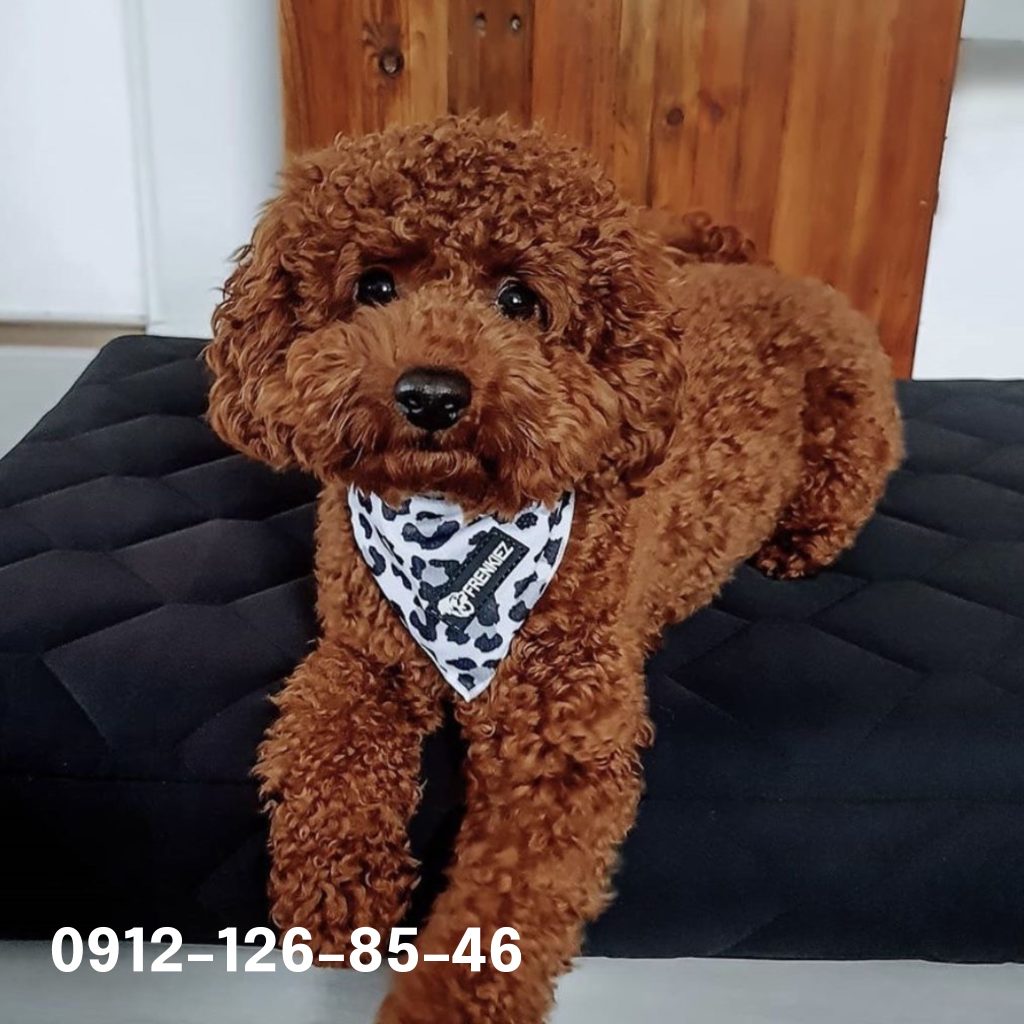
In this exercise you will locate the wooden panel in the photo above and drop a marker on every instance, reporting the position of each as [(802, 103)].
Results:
[(674, 126), (767, 71), (321, 93), (890, 247), (491, 51), (634, 99), (426, 50), (815, 125), (796, 121), (359, 65), (719, 106), (858, 181), (575, 51)]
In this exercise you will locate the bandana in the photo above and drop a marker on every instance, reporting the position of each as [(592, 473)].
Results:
[(462, 589)]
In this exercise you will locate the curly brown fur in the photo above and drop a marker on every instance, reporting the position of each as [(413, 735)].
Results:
[(706, 410), (695, 238)]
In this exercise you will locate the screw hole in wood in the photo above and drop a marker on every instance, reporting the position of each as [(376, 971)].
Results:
[(391, 61)]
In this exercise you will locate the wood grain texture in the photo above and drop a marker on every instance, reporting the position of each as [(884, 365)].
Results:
[(490, 56), (815, 125), (359, 65), (575, 57), (634, 99), (674, 123)]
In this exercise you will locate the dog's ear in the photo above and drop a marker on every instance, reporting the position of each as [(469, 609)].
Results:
[(252, 326), (288, 280)]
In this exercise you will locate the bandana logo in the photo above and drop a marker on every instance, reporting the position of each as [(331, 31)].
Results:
[(494, 558), (456, 606), (462, 588)]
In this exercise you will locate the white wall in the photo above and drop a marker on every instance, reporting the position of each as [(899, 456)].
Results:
[(972, 317), (208, 124), (137, 141), (994, 19), (69, 215)]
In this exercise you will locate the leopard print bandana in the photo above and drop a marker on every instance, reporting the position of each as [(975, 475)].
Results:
[(462, 589)]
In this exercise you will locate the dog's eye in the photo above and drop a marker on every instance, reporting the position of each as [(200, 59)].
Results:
[(516, 301), (376, 287)]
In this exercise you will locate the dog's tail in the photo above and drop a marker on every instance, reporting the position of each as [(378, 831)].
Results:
[(696, 238)]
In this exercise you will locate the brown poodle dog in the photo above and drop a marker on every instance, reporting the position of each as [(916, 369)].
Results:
[(702, 412)]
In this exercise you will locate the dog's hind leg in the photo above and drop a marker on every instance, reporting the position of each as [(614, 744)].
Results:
[(340, 772), (851, 442)]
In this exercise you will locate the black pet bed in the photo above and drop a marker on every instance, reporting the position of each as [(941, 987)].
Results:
[(839, 769)]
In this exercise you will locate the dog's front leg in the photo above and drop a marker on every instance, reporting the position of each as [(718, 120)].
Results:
[(553, 779), (340, 771)]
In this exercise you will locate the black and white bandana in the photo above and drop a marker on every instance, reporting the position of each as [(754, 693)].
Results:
[(462, 589)]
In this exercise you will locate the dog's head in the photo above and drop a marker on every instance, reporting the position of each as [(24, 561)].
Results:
[(461, 308)]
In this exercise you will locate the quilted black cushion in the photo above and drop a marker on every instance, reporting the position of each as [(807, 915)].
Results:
[(839, 770)]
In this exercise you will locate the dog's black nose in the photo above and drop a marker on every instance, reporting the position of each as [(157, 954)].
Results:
[(432, 398)]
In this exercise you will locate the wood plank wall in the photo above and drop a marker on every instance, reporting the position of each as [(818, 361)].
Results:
[(815, 125)]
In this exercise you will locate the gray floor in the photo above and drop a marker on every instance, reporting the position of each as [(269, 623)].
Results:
[(32, 991), (32, 379)]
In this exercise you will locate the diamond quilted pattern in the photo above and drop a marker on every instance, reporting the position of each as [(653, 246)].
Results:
[(957, 504), (34, 709), (979, 573), (215, 561), (233, 487), (166, 659), (953, 737), (88, 590), (839, 770), (817, 696), (19, 538), (922, 626), (1004, 468), (889, 548), (996, 417), (176, 442), (72, 517)]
